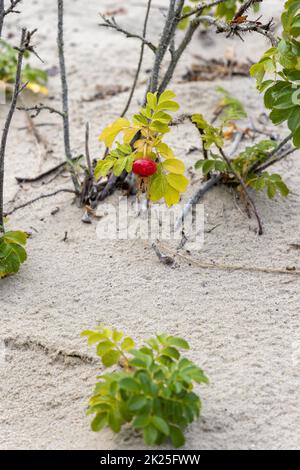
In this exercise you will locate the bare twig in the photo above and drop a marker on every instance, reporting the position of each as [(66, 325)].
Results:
[(36, 110), (10, 9), (244, 186), (87, 149), (46, 173), (42, 196), (140, 60), (228, 267), (25, 41), (111, 23), (64, 85)]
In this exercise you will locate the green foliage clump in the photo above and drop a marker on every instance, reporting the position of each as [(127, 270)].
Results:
[(247, 162), (12, 252), (143, 137), (36, 78), (282, 93), (152, 389)]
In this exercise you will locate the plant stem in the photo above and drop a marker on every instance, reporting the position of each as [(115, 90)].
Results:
[(140, 60), (1, 16), (64, 86), (244, 186), (166, 37), (13, 104)]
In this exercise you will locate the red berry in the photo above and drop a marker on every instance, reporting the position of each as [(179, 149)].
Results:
[(144, 167)]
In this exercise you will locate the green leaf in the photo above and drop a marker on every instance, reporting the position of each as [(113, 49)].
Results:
[(150, 435), (137, 403), (141, 421), (152, 100), (127, 344), (171, 352), (19, 238), (99, 422), (104, 347), (161, 425), (177, 437), (117, 336), (130, 385), (111, 358), (166, 96), (178, 342)]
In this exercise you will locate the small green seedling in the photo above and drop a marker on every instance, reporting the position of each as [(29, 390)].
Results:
[(152, 388)]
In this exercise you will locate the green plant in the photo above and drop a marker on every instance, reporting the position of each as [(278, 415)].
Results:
[(12, 252), (152, 388), (36, 78), (143, 139), (245, 165), (281, 93)]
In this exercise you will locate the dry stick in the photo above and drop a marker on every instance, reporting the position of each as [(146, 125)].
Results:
[(64, 85), (10, 9), (43, 196), (272, 154), (39, 108), (276, 160), (244, 186), (228, 267), (87, 149), (25, 38), (111, 23), (140, 60), (46, 173)]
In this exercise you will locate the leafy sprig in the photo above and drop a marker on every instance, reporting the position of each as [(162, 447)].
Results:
[(278, 73), (143, 137), (152, 389)]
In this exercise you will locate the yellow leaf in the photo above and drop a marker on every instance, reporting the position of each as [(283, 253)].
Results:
[(165, 151), (129, 134), (171, 196), (174, 166), (110, 133), (36, 88), (178, 182)]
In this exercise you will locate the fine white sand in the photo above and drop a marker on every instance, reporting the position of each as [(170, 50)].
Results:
[(243, 327)]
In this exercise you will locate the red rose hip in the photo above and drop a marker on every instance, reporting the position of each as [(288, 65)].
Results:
[(144, 167)]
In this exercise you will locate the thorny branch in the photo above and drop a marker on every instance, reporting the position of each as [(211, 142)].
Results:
[(64, 86), (10, 9), (24, 46)]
